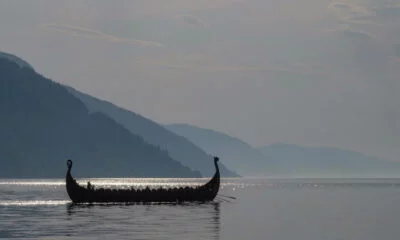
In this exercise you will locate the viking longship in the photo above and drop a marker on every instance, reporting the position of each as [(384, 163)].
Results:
[(89, 194)]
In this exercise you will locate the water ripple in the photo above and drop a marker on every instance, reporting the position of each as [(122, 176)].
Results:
[(34, 203)]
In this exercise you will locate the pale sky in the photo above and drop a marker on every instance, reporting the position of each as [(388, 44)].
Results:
[(311, 72)]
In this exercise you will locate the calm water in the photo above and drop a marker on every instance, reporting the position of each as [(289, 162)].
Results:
[(301, 209)]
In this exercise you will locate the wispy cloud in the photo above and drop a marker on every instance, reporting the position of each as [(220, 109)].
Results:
[(95, 34), (352, 13), (238, 68), (350, 33), (360, 12), (388, 11), (187, 63), (396, 50), (191, 20)]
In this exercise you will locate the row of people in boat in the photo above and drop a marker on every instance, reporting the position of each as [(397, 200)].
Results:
[(145, 190)]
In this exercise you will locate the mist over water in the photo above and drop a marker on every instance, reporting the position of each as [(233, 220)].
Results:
[(264, 209)]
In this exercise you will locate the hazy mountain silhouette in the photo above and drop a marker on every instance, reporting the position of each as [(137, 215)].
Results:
[(294, 160), (42, 125), (178, 147), (286, 160), (12, 58), (239, 155)]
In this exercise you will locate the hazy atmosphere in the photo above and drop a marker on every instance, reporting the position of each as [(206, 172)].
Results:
[(206, 119), (313, 73)]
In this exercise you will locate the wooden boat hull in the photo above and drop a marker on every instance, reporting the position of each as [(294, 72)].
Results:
[(204, 193)]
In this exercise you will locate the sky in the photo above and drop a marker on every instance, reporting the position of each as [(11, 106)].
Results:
[(311, 72)]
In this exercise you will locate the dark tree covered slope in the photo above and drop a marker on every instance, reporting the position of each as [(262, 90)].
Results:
[(42, 124)]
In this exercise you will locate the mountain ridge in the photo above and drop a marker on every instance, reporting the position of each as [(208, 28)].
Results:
[(19, 61), (287, 160), (180, 148), (42, 125), (239, 155)]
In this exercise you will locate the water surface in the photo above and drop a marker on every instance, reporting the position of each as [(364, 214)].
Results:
[(287, 209)]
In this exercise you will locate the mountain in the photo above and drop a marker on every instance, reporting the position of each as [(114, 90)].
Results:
[(294, 160), (42, 125), (238, 154), (178, 147), (286, 160), (12, 58)]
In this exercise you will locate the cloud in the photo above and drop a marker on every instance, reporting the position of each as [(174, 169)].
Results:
[(238, 68), (352, 13), (340, 5), (396, 50), (191, 20), (95, 34), (356, 35), (353, 34), (366, 13), (189, 64), (388, 11)]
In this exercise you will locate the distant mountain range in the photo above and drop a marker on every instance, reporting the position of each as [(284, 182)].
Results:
[(237, 154), (298, 161), (177, 146), (42, 125), (286, 160)]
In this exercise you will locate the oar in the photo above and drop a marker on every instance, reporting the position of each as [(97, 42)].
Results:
[(223, 200), (226, 196)]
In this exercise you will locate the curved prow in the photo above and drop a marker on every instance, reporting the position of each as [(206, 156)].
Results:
[(216, 178), (212, 186), (69, 164), (71, 184), (216, 159)]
